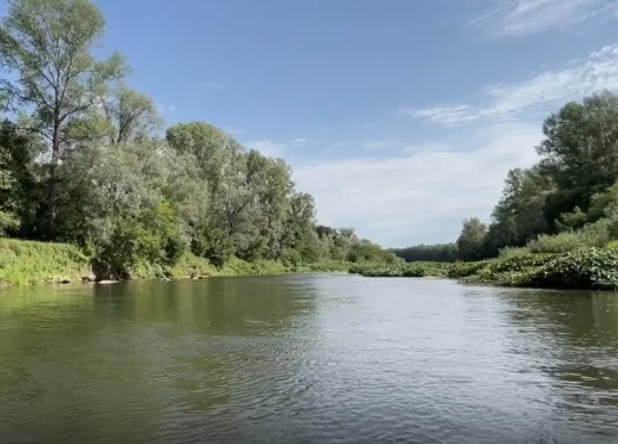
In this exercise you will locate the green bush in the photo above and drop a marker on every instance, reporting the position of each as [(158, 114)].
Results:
[(590, 268)]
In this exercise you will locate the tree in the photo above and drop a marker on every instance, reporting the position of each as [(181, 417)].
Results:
[(83, 163), (519, 216), (580, 151), (21, 193), (130, 115), (433, 253), (471, 239), (7, 217), (47, 45)]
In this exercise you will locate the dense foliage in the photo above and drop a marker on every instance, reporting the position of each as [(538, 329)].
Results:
[(567, 201), (86, 160), (433, 253), (587, 268)]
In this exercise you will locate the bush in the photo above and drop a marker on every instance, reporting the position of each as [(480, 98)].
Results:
[(561, 243), (591, 268)]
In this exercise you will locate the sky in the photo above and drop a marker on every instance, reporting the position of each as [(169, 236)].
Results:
[(400, 117)]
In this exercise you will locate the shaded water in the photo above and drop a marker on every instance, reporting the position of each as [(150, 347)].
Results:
[(307, 359)]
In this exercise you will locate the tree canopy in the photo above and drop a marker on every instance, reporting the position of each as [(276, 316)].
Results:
[(87, 160)]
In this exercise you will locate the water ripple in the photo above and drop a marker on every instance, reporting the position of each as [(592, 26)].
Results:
[(310, 359)]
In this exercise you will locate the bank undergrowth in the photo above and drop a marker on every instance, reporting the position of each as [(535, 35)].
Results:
[(585, 268), (29, 262), (25, 262)]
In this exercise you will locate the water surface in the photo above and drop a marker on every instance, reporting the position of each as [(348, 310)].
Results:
[(307, 359)]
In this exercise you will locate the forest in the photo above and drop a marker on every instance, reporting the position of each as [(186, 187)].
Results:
[(86, 160)]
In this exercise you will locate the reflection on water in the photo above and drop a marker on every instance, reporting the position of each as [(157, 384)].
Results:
[(573, 338), (307, 359)]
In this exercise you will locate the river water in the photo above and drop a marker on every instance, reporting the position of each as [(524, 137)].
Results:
[(307, 359)]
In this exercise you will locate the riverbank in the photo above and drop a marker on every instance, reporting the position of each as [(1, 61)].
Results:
[(582, 269), (28, 262)]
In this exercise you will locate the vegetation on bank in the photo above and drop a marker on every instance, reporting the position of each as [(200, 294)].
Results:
[(29, 262), (87, 162), (566, 202), (585, 269), (556, 223)]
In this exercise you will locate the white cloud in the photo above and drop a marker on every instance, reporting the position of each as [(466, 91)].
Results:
[(506, 102), (452, 115), (523, 17), (603, 14), (427, 189)]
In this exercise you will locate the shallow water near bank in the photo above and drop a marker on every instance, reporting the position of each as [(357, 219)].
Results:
[(307, 359)]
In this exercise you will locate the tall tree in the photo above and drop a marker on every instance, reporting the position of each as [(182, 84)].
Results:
[(131, 115), (471, 240), (47, 44), (580, 151)]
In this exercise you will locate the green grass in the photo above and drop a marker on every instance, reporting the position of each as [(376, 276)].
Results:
[(27, 262)]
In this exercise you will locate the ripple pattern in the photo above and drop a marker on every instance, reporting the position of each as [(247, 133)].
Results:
[(309, 359)]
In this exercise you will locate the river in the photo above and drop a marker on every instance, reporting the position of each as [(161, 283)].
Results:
[(307, 359)]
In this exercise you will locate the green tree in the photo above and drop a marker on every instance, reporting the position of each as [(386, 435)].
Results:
[(47, 45), (433, 253), (130, 115), (7, 217), (519, 216), (471, 240), (580, 152), (21, 194)]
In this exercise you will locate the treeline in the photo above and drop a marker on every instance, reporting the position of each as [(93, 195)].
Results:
[(431, 253), (86, 160), (566, 201)]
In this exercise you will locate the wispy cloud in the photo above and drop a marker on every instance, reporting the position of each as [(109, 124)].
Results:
[(426, 189), (299, 141), (276, 149), (165, 109), (380, 144), (522, 17), (451, 115), (233, 131), (504, 102), (268, 147)]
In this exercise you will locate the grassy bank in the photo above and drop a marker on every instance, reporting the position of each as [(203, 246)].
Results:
[(586, 268), (28, 262)]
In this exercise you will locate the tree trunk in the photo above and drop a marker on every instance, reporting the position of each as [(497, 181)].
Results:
[(52, 188)]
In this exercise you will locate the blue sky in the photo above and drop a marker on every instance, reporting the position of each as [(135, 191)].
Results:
[(401, 117)]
